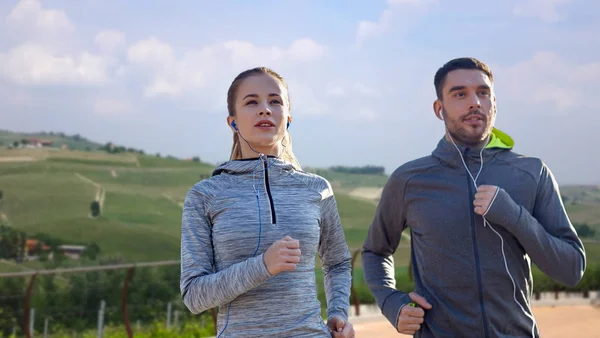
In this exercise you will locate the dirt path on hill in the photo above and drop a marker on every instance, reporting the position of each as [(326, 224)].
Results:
[(100, 191)]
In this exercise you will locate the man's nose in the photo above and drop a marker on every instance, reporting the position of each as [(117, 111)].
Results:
[(474, 101)]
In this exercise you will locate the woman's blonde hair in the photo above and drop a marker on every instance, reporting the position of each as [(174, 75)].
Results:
[(236, 150)]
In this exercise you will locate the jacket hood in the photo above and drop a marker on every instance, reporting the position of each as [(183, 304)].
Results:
[(252, 165), (446, 150)]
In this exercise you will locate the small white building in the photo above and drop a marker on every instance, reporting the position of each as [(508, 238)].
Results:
[(72, 251)]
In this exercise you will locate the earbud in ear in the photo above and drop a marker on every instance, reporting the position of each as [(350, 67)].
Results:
[(288, 125), (234, 125), (442, 115)]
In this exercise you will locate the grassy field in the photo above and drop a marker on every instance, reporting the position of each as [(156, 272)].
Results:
[(142, 200), (346, 182), (141, 219), (142, 195)]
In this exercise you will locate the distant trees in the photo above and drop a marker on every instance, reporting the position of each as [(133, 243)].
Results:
[(369, 169), (12, 243), (112, 148), (584, 230), (91, 251)]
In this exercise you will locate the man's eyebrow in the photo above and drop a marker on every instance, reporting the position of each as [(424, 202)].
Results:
[(456, 88)]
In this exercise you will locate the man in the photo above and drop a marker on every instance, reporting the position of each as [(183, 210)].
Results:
[(475, 231)]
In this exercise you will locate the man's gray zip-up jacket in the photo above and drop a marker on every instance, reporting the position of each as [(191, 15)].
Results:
[(457, 262), (223, 243)]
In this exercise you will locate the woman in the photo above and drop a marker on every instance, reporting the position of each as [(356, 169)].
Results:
[(251, 232)]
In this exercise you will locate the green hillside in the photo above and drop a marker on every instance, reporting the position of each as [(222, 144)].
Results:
[(52, 194), (50, 191), (58, 139), (348, 181)]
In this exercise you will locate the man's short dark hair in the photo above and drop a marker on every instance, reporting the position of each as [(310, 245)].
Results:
[(459, 63)]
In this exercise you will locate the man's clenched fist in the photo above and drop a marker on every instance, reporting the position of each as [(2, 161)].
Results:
[(484, 198), (411, 318)]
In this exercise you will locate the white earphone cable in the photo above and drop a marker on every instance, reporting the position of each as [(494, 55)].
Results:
[(486, 223)]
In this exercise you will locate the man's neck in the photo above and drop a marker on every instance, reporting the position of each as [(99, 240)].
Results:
[(459, 143)]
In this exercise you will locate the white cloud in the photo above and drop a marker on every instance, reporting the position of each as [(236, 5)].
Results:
[(33, 64), (335, 90), (29, 14), (245, 54), (305, 99), (369, 29), (367, 114), (340, 89), (545, 10), (306, 50), (405, 11), (364, 90), (110, 40), (150, 52), (172, 76), (548, 78), (111, 106)]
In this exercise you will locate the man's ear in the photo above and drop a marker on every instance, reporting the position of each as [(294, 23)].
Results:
[(437, 109)]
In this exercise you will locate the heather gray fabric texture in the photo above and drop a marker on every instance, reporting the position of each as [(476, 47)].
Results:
[(457, 261), (222, 259)]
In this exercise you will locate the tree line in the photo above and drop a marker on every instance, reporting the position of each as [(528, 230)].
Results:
[(365, 170), (13, 242), (71, 301), (112, 148)]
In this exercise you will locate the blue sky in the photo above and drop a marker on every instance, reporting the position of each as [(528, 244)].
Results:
[(154, 74)]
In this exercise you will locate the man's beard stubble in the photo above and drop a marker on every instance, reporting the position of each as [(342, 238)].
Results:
[(460, 134)]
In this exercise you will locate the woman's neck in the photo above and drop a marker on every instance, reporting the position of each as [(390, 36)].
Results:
[(248, 152)]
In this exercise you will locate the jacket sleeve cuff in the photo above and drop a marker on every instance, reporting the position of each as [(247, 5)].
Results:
[(261, 273), (393, 305), (503, 210)]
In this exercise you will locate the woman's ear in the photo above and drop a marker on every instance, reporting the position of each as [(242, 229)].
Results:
[(231, 124)]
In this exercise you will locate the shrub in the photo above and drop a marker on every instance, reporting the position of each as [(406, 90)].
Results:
[(95, 208)]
